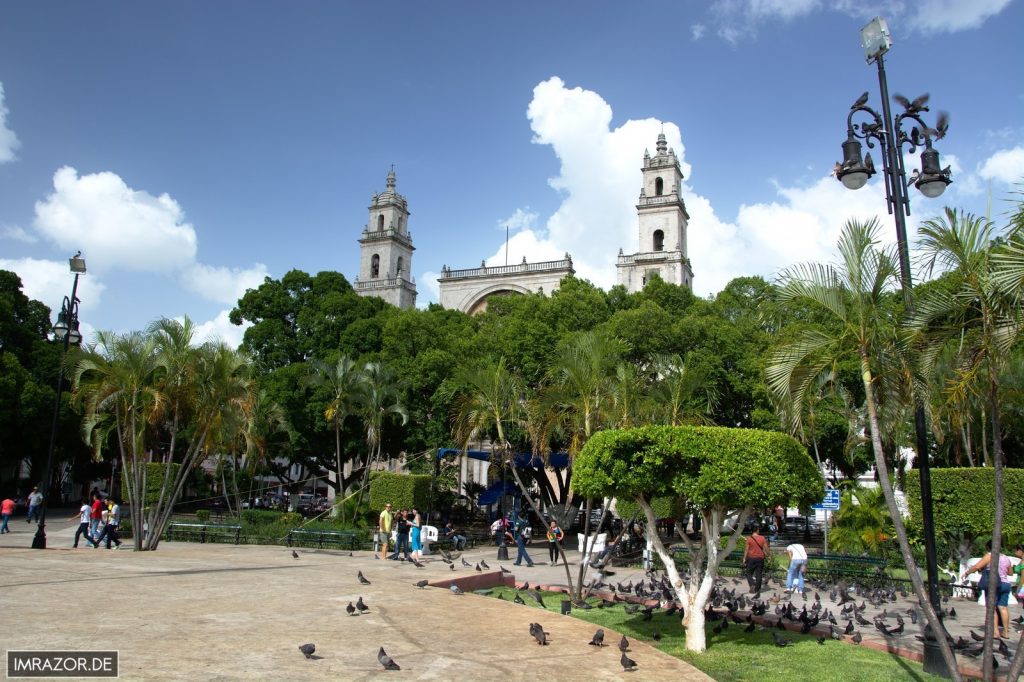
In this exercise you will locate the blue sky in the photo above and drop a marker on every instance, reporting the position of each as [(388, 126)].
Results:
[(189, 149)]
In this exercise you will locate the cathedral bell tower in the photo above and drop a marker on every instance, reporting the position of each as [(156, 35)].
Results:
[(385, 250), (663, 222)]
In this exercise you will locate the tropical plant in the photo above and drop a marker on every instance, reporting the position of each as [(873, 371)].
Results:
[(342, 382), (378, 402), (862, 525), (855, 295)]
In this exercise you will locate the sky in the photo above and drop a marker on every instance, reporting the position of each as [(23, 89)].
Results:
[(191, 149)]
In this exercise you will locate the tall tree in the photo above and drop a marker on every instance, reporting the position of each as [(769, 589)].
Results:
[(853, 293), (983, 318), (342, 381), (378, 402)]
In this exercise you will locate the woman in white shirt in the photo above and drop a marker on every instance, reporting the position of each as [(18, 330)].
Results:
[(797, 567)]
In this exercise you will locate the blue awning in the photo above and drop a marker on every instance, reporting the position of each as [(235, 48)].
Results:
[(522, 460)]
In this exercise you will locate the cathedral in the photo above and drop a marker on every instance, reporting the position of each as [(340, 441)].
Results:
[(385, 248)]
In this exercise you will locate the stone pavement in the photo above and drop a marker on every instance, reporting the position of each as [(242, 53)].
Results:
[(225, 612)]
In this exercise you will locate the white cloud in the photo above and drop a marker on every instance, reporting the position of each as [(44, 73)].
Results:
[(1006, 165), (220, 328), (16, 233), (428, 281), (600, 183), (521, 219), (949, 16), (50, 281), (697, 31), (114, 225), (8, 140), (221, 284)]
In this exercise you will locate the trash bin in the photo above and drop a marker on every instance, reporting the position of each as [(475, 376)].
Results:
[(502, 552)]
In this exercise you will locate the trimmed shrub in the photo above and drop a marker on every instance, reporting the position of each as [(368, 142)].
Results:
[(963, 504), (664, 508), (203, 515), (403, 491), (260, 517)]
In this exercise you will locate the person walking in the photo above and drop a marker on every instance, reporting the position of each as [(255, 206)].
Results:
[(1003, 588), (83, 516), (797, 566), (555, 536), (384, 523), (35, 505), (95, 515), (415, 537), (755, 552), (401, 536), (520, 537), (113, 521), (6, 510)]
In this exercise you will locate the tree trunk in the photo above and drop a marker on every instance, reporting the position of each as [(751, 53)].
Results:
[(997, 524), (965, 435), (901, 532)]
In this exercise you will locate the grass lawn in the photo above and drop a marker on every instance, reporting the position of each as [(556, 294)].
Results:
[(736, 656)]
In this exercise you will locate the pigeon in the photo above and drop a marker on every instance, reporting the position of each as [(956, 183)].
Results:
[(386, 661), (780, 641), (295, 555), (861, 101), (750, 627), (539, 634), (849, 628), (526, 585), (363, 608), (821, 639), (451, 567), (598, 638), (456, 589), (417, 564), (307, 649), (503, 569), (536, 597), (623, 644), (518, 599), (478, 569), (656, 636), (952, 613), (627, 662), (466, 563), (422, 583), (857, 637), (351, 609), (484, 564), (362, 578)]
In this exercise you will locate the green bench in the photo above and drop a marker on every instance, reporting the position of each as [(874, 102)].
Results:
[(343, 539), (204, 532), (836, 567)]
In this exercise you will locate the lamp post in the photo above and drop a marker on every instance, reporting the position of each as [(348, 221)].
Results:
[(931, 180), (66, 331)]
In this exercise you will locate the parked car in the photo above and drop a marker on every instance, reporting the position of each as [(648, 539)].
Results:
[(798, 524)]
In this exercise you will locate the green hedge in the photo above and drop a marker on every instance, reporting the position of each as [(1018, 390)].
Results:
[(664, 508), (963, 502), (155, 472), (403, 491)]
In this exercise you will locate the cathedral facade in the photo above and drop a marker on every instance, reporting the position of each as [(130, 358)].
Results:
[(385, 268)]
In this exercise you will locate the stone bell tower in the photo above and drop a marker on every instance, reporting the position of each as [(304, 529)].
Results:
[(663, 223), (385, 250)]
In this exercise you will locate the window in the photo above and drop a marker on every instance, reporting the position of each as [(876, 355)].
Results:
[(401, 263), (659, 240), (375, 265), (659, 187), (380, 222)]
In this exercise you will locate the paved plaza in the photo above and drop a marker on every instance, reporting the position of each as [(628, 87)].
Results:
[(223, 612)]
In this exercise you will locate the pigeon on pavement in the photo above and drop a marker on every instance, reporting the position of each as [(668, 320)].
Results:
[(386, 662), (351, 609), (623, 644), (455, 589), (363, 608), (362, 578), (598, 639), (422, 583), (627, 662), (307, 649), (295, 555), (484, 564)]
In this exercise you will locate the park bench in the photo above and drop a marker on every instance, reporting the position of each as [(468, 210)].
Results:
[(204, 532), (836, 567), (343, 539)]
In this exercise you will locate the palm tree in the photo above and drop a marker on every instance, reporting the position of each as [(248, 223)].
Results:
[(853, 295), (981, 316), (114, 380), (343, 383), (378, 400), (863, 523), (685, 395)]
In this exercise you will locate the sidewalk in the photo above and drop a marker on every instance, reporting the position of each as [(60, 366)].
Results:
[(226, 612)]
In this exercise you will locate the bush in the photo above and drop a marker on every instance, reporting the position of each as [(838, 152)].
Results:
[(154, 482), (963, 505), (664, 508), (203, 515), (290, 519), (260, 517), (403, 491)]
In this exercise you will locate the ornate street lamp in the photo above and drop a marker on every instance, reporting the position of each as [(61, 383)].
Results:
[(931, 180), (65, 330)]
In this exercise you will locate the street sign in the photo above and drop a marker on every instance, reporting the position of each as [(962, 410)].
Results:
[(830, 502)]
